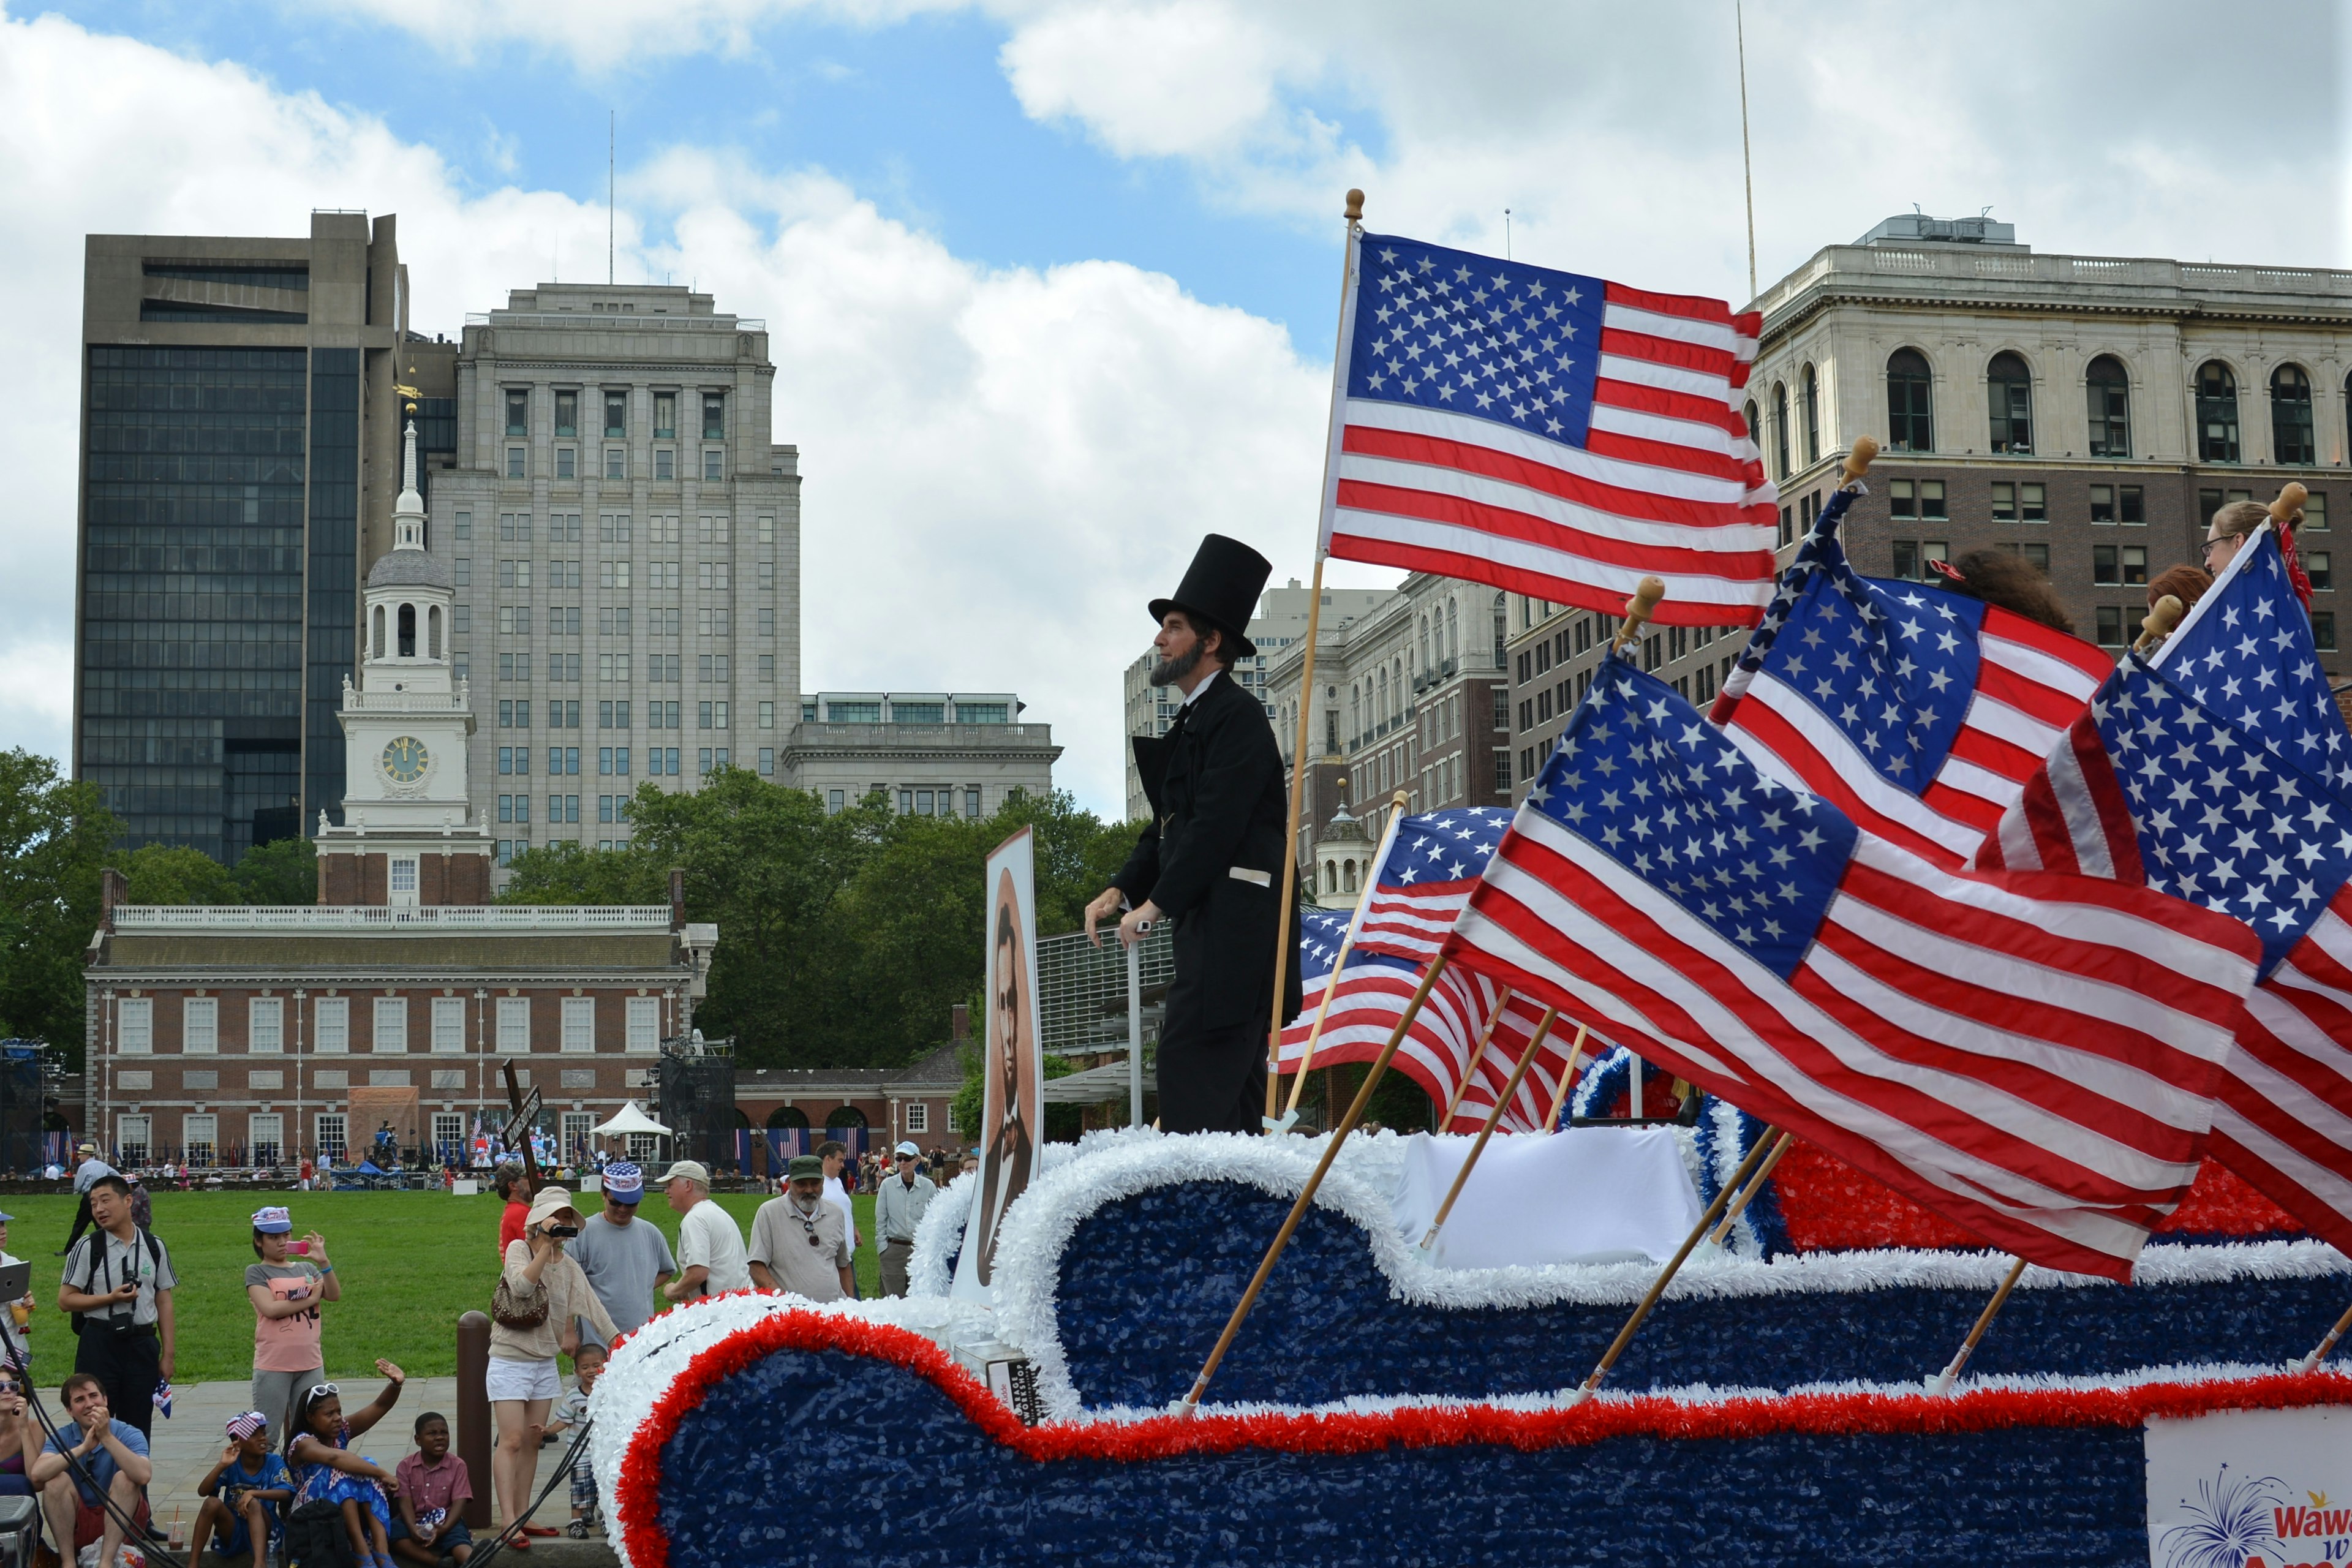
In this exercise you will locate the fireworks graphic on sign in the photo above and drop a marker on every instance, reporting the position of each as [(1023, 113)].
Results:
[(2230, 1522)]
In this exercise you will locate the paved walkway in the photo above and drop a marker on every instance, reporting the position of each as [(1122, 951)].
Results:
[(186, 1446)]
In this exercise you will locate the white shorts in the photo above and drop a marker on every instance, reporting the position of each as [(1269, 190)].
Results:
[(523, 1379)]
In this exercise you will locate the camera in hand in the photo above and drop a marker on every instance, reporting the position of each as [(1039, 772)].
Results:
[(564, 1231)]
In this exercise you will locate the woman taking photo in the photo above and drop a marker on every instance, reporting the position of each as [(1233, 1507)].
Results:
[(287, 1282), (535, 1316)]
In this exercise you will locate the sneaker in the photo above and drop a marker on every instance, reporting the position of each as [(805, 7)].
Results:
[(577, 1530)]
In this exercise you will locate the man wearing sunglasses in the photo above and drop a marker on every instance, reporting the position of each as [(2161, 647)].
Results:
[(799, 1242)]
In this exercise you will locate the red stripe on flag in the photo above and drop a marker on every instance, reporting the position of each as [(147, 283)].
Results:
[(1645, 506), (1797, 754), (1693, 306), (1695, 357), (1747, 471), (1393, 500), (2054, 708), (1668, 404), (1571, 592)]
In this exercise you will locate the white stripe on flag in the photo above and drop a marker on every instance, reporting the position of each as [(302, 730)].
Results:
[(1679, 483)]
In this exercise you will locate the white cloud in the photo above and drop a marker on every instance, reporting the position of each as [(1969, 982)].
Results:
[(599, 35), (1003, 466), (1185, 79)]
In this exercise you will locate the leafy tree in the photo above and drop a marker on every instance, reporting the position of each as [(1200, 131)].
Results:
[(285, 871), (1064, 1124), (565, 873), (54, 835), (173, 874)]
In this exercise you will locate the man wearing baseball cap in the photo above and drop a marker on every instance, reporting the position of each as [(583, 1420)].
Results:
[(900, 1201), (86, 1175), (709, 1248), (800, 1242), (626, 1261)]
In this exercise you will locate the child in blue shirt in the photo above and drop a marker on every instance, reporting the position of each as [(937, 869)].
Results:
[(242, 1492)]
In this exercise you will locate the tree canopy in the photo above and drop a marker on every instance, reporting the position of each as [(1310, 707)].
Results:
[(54, 834), (845, 937)]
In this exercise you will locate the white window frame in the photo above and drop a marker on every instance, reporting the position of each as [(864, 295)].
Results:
[(514, 1025), (134, 1027), (575, 1132), (919, 1117), (200, 1127), (395, 1008), (644, 1030), (340, 1146), (200, 1026), (403, 869), (134, 1138), (448, 1026), (450, 1127), (579, 1026), (265, 1025), (269, 1127), (331, 1026)]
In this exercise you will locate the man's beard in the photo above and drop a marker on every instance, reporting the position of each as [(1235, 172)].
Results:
[(1169, 671)]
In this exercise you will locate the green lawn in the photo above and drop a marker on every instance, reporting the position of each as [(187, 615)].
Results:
[(410, 1264)]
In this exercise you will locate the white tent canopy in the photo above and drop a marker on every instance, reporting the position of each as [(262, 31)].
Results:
[(629, 1119)]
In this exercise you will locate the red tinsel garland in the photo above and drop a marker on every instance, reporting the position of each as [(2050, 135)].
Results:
[(637, 1500)]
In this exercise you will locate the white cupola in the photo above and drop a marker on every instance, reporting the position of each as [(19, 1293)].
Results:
[(407, 640)]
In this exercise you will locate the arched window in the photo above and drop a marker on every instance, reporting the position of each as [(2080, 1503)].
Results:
[(2108, 391), (1422, 650), (2217, 413), (1910, 422), (2008, 392), (408, 631), (1779, 430), (785, 1118), (1755, 424), (375, 632), (1452, 630), (844, 1116), (2293, 440), (1348, 870), (433, 633), (1503, 624), (1380, 684), (1808, 395), (1355, 710)]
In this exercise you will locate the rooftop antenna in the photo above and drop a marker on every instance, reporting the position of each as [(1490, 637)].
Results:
[(1506, 233), (1747, 163), (612, 125)]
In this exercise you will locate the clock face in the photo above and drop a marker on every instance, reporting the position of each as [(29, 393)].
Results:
[(406, 760)]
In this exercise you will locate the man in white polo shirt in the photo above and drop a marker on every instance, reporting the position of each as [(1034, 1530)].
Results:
[(710, 1259)]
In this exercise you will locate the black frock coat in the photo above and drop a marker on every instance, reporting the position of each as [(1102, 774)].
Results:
[(1215, 784)]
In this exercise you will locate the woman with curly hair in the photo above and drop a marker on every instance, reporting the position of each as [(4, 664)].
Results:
[(2005, 578)]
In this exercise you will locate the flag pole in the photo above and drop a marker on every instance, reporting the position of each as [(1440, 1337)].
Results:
[(1346, 945), (1567, 1083), (1747, 1193), (1191, 1402), (1690, 1243), (1944, 1379), (1478, 1056), (1494, 1117), (2342, 1326), (1355, 215)]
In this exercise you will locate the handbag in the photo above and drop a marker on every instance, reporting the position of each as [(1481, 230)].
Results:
[(523, 1308)]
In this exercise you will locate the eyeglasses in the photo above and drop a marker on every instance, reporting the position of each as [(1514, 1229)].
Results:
[(2206, 549)]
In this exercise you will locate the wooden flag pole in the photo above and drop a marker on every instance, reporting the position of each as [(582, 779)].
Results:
[(1494, 1117), (2342, 1326), (1638, 611), (1191, 1402), (1950, 1374), (1346, 945), (1748, 1193), (1306, 672), (1706, 1223), (2157, 626), (1566, 1081), (1454, 1100)]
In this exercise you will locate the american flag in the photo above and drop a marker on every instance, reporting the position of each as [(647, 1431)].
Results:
[(2033, 1057), (1919, 713), (1373, 992), (1421, 883), (1554, 434), (2154, 787)]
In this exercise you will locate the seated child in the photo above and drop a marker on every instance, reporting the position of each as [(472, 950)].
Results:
[(242, 1493), (433, 1487), (587, 1366), (326, 1470)]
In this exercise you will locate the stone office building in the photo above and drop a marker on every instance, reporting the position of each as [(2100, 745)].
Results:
[(2088, 412)]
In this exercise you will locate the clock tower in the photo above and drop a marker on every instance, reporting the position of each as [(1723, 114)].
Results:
[(406, 839)]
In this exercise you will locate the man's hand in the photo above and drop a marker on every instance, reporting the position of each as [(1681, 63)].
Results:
[(1104, 907), (163, 1364), (124, 1294), (1138, 923)]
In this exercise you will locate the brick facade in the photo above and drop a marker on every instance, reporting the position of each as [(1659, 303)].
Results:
[(447, 877)]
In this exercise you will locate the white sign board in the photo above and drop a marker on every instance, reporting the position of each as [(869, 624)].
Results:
[(1012, 1117), (2251, 1489)]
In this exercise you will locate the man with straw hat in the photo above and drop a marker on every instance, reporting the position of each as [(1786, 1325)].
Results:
[(1210, 858)]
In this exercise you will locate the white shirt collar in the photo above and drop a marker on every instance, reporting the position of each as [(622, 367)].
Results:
[(1194, 695)]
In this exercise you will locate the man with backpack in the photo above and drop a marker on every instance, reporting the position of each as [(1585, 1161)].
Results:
[(117, 1295)]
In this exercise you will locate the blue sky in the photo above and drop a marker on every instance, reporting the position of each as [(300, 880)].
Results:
[(1051, 283)]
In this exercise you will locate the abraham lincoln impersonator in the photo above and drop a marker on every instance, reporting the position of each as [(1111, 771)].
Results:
[(1211, 859)]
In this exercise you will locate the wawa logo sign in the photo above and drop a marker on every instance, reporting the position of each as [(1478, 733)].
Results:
[(2253, 1489)]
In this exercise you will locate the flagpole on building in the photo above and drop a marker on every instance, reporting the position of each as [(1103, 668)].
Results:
[(1950, 1374), (1346, 945), (1477, 1056), (1192, 1401), (1494, 1118), (1355, 215)]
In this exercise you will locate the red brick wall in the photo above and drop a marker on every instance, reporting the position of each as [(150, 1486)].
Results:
[(346, 878)]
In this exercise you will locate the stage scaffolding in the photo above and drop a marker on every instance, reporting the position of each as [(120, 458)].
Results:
[(696, 1100)]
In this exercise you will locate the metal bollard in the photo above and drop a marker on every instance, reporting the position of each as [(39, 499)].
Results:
[(476, 1437)]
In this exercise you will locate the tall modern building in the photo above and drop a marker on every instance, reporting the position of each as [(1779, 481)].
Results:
[(622, 540), (239, 450)]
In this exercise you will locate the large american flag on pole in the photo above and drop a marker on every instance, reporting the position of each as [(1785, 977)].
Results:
[(1917, 712), (2213, 802), (2033, 1057), (1551, 434), (1373, 992)]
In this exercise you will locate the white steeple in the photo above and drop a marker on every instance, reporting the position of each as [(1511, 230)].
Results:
[(408, 512)]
